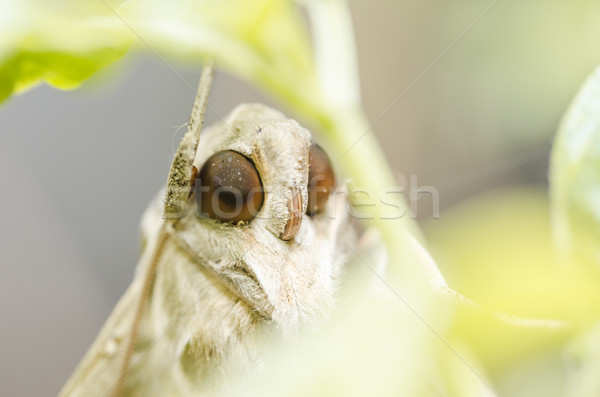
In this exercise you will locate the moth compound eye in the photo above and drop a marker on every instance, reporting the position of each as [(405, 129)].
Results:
[(229, 188), (321, 179)]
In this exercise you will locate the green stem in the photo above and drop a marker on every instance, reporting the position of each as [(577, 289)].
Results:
[(356, 148)]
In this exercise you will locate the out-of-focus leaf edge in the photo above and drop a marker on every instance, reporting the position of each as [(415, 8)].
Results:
[(575, 178), (63, 70)]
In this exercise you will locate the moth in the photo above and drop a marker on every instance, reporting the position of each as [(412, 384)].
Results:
[(242, 248)]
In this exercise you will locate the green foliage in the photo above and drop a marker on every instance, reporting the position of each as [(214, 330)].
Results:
[(575, 177), (60, 42), (519, 252)]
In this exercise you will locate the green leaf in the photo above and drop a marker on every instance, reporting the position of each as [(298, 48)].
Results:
[(60, 42), (497, 250), (263, 41), (583, 356), (575, 178)]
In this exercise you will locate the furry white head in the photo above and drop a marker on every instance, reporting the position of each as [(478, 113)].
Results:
[(284, 281)]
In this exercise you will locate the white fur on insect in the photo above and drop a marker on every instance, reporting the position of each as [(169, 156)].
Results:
[(220, 290)]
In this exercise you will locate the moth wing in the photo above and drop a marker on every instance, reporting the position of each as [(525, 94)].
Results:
[(100, 367)]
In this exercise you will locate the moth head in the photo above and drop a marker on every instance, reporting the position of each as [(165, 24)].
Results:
[(265, 220), (259, 166)]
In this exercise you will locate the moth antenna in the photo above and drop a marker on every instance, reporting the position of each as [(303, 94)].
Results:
[(182, 173), (179, 184), (144, 293)]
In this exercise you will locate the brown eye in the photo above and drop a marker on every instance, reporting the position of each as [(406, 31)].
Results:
[(228, 188), (321, 180)]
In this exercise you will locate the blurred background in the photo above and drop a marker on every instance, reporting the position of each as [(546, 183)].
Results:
[(477, 95)]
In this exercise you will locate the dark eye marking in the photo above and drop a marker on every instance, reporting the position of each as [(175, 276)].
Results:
[(229, 188), (321, 180)]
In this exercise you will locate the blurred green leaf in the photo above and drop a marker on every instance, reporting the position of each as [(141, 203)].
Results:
[(584, 358), (575, 178), (61, 42), (262, 41), (64, 42), (575, 194), (497, 250)]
